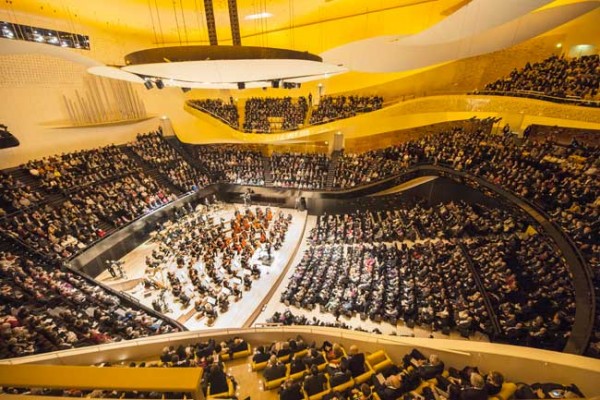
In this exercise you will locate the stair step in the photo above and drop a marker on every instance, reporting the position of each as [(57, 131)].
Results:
[(267, 171)]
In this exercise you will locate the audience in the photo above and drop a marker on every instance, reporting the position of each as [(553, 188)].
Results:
[(331, 108), (269, 114), (157, 152), (46, 309), (68, 171), (228, 113), (567, 78), (303, 171), (233, 164)]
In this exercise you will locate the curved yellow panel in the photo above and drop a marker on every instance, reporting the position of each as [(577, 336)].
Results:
[(520, 112)]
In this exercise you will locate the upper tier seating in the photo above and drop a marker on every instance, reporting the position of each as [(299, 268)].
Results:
[(266, 115), (561, 78), (331, 108), (228, 113)]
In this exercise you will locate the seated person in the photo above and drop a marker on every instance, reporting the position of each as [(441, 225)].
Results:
[(493, 383), (236, 345), (356, 361), (391, 388), (339, 375), (296, 365), (315, 381), (475, 390), (314, 358), (275, 369), (290, 390), (547, 391), (217, 379), (335, 353), (430, 368), (260, 355), (362, 393)]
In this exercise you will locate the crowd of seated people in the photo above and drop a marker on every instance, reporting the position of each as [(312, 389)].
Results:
[(288, 318), (233, 164), (44, 309), (154, 150), (529, 287), (568, 78), (303, 171), (416, 221), (210, 264), (429, 283), (260, 112), (63, 172), (227, 112), (59, 231), (15, 195), (65, 229), (336, 107), (122, 200)]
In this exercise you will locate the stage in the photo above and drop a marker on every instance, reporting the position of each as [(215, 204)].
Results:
[(135, 270)]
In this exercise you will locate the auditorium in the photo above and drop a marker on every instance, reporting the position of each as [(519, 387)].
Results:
[(300, 199)]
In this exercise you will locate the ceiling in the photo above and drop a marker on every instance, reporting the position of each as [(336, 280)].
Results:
[(174, 21)]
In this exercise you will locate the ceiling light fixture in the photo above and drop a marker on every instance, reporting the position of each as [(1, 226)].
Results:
[(221, 67), (258, 16)]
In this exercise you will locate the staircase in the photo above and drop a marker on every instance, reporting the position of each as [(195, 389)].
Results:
[(267, 171), (308, 115), (333, 163), (151, 171), (486, 297), (241, 107)]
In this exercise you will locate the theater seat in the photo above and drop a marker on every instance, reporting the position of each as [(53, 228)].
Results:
[(317, 396), (379, 361), (508, 389), (224, 395), (297, 375), (365, 376), (258, 366), (276, 383), (239, 354), (344, 386)]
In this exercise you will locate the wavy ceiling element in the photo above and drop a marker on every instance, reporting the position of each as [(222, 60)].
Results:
[(395, 54)]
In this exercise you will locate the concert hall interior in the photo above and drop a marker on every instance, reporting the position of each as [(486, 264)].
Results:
[(300, 199)]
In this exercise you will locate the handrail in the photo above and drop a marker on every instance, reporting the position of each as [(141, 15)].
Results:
[(482, 289), (540, 96)]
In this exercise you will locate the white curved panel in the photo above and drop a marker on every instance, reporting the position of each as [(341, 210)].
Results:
[(114, 73), (232, 71), (10, 46), (472, 19), (384, 54)]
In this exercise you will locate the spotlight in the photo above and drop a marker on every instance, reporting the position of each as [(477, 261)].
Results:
[(148, 84), (159, 84), (185, 89), (275, 84), (241, 85)]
